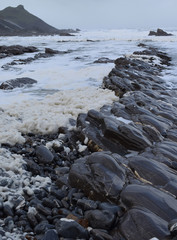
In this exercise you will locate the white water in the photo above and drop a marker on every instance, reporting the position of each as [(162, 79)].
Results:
[(69, 83)]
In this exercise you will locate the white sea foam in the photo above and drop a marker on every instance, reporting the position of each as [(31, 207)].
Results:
[(47, 115)]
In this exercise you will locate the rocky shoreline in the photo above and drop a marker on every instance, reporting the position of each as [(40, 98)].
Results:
[(111, 177)]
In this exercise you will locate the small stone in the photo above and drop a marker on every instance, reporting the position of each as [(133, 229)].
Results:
[(100, 219), (68, 228), (8, 210), (86, 204), (42, 227), (43, 210), (51, 235), (44, 155)]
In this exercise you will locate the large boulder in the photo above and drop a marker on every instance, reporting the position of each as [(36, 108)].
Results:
[(99, 175)]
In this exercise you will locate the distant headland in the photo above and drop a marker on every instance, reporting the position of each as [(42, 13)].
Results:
[(17, 21)]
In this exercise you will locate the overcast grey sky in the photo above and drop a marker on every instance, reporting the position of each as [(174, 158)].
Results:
[(95, 14)]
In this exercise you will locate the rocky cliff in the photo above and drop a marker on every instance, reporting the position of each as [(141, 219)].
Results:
[(18, 21)]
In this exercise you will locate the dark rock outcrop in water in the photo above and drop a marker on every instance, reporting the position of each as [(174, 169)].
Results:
[(17, 83), (159, 33), (13, 50), (18, 21), (114, 176)]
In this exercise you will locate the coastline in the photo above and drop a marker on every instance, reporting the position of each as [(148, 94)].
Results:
[(116, 168)]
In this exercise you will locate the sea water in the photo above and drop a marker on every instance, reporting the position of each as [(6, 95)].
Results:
[(67, 84)]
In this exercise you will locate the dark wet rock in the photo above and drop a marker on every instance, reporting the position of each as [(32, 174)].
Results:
[(155, 172), (172, 226), (32, 219), (51, 235), (98, 234), (100, 219), (158, 202), (7, 51), (43, 210), (99, 176), (86, 204), (71, 229), (141, 224), (51, 51), (159, 32), (104, 60), (44, 155), (42, 227), (129, 136), (167, 149), (17, 83), (8, 211), (109, 207)]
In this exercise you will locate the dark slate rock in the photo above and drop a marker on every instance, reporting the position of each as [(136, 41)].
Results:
[(51, 51), (155, 172), (172, 226), (51, 235), (8, 211), (159, 32), (43, 210), (17, 83), (158, 202), (109, 207), (70, 229), (42, 227), (141, 224), (100, 219), (32, 219), (99, 176), (97, 234), (44, 155), (104, 60), (129, 136), (86, 204)]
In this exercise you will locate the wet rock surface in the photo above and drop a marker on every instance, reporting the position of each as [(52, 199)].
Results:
[(113, 176), (17, 83), (159, 32)]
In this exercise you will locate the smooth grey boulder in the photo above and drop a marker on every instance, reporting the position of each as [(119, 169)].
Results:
[(44, 155), (99, 176)]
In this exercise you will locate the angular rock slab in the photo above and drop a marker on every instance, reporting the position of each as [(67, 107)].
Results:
[(99, 176), (141, 224), (158, 202)]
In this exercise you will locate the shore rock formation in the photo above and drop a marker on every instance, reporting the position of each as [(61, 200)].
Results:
[(159, 32)]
